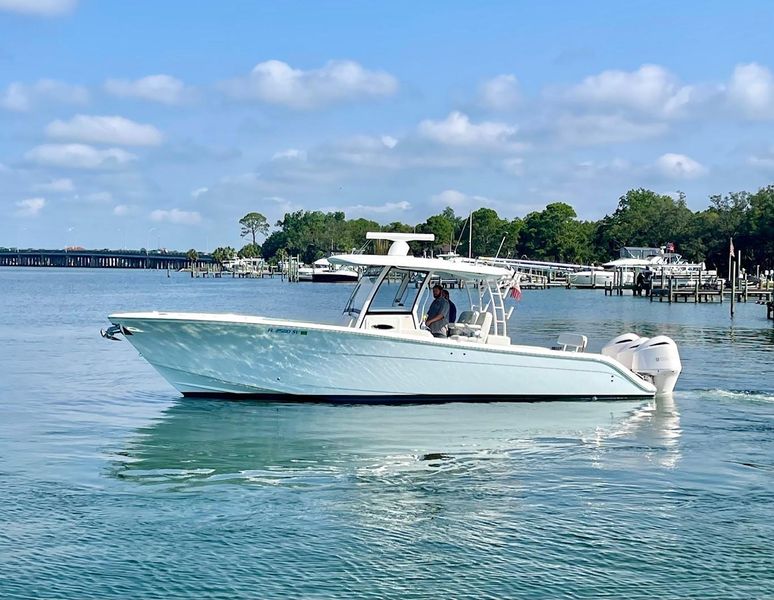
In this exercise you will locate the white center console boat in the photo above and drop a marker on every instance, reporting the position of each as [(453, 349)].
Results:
[(382, 351)]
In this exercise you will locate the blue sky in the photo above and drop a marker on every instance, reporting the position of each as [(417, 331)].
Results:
[(129, 124)]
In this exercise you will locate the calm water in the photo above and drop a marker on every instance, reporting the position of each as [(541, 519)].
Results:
[(112, 486)]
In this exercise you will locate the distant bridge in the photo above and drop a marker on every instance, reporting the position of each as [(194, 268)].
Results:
[(105, 259)]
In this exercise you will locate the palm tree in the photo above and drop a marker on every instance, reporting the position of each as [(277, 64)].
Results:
[(192, 256)]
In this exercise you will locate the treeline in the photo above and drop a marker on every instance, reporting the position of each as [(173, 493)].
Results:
[(642, 218)]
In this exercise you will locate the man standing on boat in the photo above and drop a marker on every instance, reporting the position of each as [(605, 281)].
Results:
[(452, 307), (438, 314)]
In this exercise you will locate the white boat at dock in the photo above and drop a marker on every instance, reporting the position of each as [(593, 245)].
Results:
[(246, 267), (383, 352), (623, 271), (323, 271)]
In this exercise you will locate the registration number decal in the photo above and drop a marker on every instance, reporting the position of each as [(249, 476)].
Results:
[(287, 331)]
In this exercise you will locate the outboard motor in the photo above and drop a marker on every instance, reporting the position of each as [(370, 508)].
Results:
[(627, 352), (659, 360), (614, 346)]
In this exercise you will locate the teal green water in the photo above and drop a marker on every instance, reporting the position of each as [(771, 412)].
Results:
[(112, 486)]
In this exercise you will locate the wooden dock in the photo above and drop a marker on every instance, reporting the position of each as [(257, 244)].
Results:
[(674, 291)]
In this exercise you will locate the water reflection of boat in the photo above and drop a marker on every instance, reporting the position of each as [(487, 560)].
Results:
[(654, 426), (206, 442)]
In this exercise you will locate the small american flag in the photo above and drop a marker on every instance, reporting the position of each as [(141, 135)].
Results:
[(516, 290)]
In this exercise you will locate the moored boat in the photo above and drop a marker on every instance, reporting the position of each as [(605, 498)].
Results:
[(323, 271), (634, 260)]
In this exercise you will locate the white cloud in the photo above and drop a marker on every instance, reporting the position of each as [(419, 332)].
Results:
[(679, 166), (388, 141), (751, 89), (38, 8), (363, 151), (105, 130), (651, 89), (458, 200), (22, 97), (457, 130), (250, 181), (765, 161), (387, 207), (276, 82), (500, 93), (176, 216), (281, 204), (514, 166), (30, 207), (582, 130), (57, 185), (97, 197), (78, 156), (590, 169), (122, 210), (156, 88), (199, 192), (289, 154)]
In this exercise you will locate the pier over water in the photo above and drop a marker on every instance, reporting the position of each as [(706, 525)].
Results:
[(106, 259)]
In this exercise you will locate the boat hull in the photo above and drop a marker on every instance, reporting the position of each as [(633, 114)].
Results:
[(230, 355), (334, 277), (597, 279)]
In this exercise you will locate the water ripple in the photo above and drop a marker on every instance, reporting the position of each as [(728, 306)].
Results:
[(111, 486)]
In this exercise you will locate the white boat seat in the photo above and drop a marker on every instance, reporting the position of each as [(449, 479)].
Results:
[(478, 331), (571, 342), (484, 323), (472, 332), (463, 323)]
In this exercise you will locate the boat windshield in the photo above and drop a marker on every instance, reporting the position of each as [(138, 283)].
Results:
[(362, 290), (398, 291)]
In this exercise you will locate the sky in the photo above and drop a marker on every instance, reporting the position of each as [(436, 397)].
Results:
[(160, 124)]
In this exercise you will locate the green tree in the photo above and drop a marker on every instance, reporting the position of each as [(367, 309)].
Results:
[(645, 218), (488, 232), (273, 244), (252, 224), (250, 251), (443, 226), (759, 227), (553, 234), (192, 256), (281, 255), (223, 254), (357, 229)]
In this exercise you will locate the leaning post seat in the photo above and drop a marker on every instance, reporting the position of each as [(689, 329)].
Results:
[(462, 325), (475, 332)]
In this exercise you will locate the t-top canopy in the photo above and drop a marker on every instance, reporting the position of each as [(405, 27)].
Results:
[(461, 270)]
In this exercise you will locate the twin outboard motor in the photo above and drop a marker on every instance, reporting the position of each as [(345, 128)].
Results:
[(614, 346), (656, 359)]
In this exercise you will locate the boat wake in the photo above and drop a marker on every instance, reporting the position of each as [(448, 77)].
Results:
[(745, 395)]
